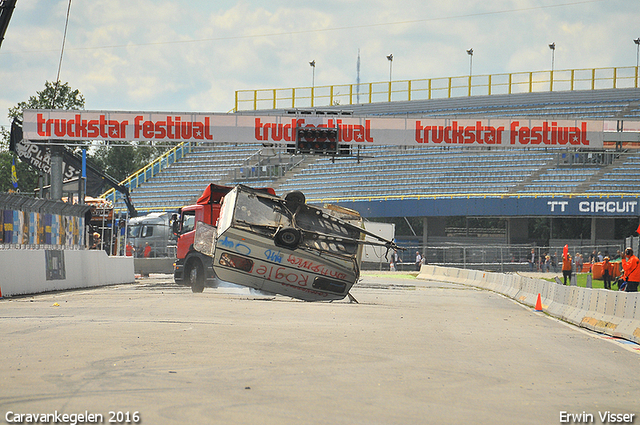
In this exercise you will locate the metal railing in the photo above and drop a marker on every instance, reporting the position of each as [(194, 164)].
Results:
[(266, 167), (438, 88), (497, 258)]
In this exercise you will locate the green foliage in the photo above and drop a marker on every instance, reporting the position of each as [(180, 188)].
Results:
[(27, 179), (120, 162), (61, 96), (52, 97)]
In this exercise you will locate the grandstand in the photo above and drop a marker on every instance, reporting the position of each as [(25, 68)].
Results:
[(433, 182), (379, 171)]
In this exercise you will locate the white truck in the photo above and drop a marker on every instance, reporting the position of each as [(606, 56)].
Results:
[(154, 231)]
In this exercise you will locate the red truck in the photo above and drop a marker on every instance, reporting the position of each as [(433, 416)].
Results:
[(192, 267)]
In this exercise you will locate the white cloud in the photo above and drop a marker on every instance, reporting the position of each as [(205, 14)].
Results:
[(193, 55)]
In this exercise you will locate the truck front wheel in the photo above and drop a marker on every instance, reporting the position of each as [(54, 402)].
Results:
[(195, 273)]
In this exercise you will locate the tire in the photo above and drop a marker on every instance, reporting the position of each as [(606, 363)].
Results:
[(288, 238), (294, 199), (195, 276)]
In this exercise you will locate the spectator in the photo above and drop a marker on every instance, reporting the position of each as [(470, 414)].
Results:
[(418, 260), (95, 242), (541, 263), (566, 268), (606, 273), (147, 250), (547, 263), (617, 256), (631, 270), (600, 258), (554, 262), (532, 259), (579, 262)]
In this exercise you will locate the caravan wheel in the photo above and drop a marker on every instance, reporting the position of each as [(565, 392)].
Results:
[(288, 238)]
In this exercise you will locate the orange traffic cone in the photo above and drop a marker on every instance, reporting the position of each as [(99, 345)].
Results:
[(539, 303)]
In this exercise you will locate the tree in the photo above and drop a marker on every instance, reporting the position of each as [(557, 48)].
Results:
[(27, 179), (118, 162), (52, 97), (60, 96), (122, 161)]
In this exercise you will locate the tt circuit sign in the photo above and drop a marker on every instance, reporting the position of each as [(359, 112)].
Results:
[(234, 128), (502, 206), (621, 207)]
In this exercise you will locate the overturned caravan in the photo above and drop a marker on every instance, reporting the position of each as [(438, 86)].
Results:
[(284, 246)]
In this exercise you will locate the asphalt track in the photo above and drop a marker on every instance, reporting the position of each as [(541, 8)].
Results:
[(411, 352)]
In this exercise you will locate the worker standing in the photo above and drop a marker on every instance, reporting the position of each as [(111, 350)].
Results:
[(631, 270), (566, 268), (606, 273)]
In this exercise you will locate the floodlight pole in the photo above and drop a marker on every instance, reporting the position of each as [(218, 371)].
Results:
[(313, 79), (637, 41), (390, 59), (552, 46), (470, 53)]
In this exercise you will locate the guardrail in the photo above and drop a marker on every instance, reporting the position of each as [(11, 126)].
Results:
[(610, 312), (437, 88), (148, 171)]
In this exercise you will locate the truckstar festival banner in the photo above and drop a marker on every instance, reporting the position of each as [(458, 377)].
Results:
[(235, 128)]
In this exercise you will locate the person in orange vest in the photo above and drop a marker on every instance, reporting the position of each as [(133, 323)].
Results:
[(566, 268), (631, 270), (130, 250), (147, 250), (606, 273)]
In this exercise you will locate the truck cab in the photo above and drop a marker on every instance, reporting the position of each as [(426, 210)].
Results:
[(151, 230), (192, 267)]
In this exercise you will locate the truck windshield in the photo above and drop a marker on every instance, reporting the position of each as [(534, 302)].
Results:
[(188, 221), (133, 231)]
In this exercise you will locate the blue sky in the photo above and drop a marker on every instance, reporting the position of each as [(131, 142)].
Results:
[(191, 55)]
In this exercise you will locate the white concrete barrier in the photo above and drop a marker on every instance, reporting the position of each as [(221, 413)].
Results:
[(610, 312), (27, 272)]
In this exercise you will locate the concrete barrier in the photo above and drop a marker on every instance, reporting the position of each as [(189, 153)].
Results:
[(144, 266), (35, 271), (609, 312)]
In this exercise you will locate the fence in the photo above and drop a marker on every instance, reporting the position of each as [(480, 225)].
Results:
[(438, 88), (30, 223), (499, 258)]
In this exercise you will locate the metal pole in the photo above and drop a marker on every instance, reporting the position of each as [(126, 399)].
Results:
[(464, 257), (56, 173)]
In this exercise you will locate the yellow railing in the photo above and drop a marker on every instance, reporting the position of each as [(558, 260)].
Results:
[(438, 88), (151, 169)]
